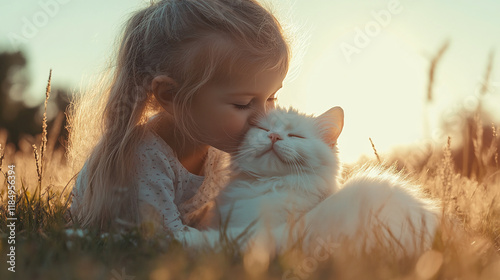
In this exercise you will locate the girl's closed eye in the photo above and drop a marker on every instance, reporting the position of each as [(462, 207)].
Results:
[(242, 107), (248, 105)]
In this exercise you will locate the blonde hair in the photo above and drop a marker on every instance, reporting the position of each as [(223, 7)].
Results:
[(184, 39)]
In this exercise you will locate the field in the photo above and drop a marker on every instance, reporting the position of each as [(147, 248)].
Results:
[(465, 178)]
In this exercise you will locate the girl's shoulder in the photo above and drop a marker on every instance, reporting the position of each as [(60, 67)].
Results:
[(152, 144), (155, 156), (152, 150)]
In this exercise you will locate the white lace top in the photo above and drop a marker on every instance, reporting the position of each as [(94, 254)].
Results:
[(168, 193)]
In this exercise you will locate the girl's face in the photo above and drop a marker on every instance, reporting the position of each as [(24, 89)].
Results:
[(223, 111)]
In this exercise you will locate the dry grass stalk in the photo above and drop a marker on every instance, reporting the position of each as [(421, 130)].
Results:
[(43, 145), (375, 151), (432, 69), (430, 92), (477, 143), (447, 174), (485, 85), (491, 154), (493, 144), (39, 158), (38, 169), (1, 157)]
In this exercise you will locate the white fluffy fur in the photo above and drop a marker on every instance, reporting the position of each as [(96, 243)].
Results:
[(375, 209), (294, 182)]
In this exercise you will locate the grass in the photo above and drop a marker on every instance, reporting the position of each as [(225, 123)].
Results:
[(466, 246)]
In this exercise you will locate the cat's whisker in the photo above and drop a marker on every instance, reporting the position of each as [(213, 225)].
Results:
[(304, 161), (300, 173), (296, 169)]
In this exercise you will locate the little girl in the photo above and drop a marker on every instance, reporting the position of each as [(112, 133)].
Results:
[(190, 78)]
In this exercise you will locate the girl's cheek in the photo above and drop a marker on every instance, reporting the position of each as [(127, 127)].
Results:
[(235, 125)]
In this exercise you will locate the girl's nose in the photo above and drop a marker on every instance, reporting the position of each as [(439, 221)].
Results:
[(275, 137)]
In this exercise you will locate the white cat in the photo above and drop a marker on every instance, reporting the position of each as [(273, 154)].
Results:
[(285, 166), (285, 185)]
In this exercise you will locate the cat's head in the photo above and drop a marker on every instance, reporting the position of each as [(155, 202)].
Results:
[(286, 141)]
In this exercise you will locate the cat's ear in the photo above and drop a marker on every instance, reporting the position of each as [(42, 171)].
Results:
[(331, 123)]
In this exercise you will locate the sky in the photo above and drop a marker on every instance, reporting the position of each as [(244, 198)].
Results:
[(371, 57)]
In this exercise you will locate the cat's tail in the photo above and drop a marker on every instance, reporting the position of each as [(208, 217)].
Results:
[(371, 212)]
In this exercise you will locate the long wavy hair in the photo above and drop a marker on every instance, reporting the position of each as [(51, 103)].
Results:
[(184, 39)]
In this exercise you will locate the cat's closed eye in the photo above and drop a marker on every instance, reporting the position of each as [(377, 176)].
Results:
[(296, 136), (260, 127)]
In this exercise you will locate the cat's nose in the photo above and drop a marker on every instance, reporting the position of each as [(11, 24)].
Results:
[(275, 137)]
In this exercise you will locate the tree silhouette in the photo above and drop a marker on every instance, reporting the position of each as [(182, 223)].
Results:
[(18, 118)]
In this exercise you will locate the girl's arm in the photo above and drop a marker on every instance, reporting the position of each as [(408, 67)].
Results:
[(156, 206), (154, 178)]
